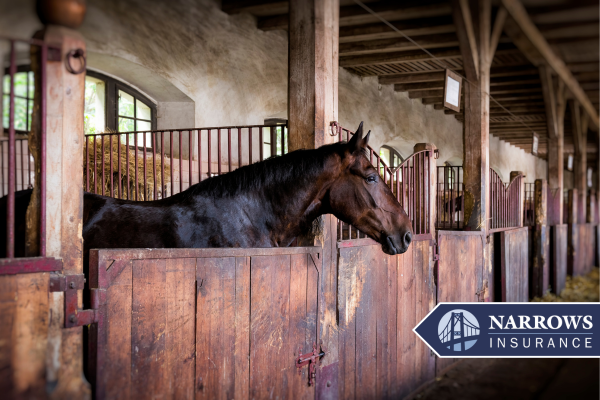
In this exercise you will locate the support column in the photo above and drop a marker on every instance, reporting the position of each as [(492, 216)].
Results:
[(554, 100), (540, 277), (64, 204), (579, 127), (312, 105)]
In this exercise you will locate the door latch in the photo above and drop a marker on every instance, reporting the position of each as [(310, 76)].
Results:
[(312, 360)]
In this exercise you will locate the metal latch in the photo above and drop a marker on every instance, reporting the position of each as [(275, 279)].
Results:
[(71, 284), (436, 252), (312, 360)]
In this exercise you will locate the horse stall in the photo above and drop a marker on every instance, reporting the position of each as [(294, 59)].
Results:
[(581, 256), (558, 241)]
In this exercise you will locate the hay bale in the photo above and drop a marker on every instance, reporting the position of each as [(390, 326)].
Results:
[(577, 289), (103, 161)]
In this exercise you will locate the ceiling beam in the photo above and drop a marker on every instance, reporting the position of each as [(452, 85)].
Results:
[(533, 44), (398, 44), (416, 27), (466, 37), (397, 57)]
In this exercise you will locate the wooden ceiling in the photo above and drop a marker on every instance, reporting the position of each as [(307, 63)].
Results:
[(368, 47)]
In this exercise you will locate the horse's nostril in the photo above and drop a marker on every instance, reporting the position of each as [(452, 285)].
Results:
[(407, 238)]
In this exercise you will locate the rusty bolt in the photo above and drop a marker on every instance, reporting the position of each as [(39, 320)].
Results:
[(72, 285), (72, 318)]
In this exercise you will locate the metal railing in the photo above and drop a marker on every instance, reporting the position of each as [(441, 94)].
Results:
[(409, 182), (528, 205), (10, 159), (24, 175), (150, 165), (505, 202), (450, 202)]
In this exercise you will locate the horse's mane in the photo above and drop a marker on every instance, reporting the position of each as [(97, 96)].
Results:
[(276, 171)]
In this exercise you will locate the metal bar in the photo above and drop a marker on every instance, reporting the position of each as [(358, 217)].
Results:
[(22, 165), (28, 166), (102, 164), (95, 166), (2, 168), (209, 153), (282, 142), (135, 144), (180, 162), (155, 195), (10, 209), (127, 182), (261, 144), (190, 156), (250, 145), (239, 142), (171, 155), (229, 149), (199, 155), (219, 159), (145, 175), (112, 191), (120, 182), (163, 186)]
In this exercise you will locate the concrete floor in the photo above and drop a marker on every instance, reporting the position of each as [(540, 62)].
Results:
[(527, 379)]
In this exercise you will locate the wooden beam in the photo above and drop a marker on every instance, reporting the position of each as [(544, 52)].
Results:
[(580, 145), (398, 44), (495, 90), (530, 33), (417, 27), (420, 94), (496, 33), (411, 78), (397, 57), (408, 87), (256, 7), (466, 37)]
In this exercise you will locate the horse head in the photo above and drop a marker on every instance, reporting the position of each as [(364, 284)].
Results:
[(360, 197)]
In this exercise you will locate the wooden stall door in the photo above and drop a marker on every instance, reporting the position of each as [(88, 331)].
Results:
[(381, 299), (254, 315), (202, 323), (461, 272), (558, 257), (24, 320), (514, 265)]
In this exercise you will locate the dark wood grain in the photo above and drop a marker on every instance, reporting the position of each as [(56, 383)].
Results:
[(148, 329), (181, 326), (242, 328), (515, 265), (558, 257)]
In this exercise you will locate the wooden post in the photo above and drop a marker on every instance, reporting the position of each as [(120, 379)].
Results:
[(572, 230), (554, 100), (540, 278), (312, 105), (64, 204), (473, 25), (427, 202), (579, 127), (520, 205)]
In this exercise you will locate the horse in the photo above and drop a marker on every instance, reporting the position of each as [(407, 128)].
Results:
[(265, 204)]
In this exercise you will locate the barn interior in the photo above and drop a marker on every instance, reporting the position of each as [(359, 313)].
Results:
[(195, 71)]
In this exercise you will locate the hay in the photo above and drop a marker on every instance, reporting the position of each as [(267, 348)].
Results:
[(103, 160), (577, 289)]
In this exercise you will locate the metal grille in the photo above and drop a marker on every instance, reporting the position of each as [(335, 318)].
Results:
[(505, 200), (528, 205), (450, 202)]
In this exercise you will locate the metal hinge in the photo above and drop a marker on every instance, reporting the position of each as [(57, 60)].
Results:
[(312, 360), (71, 284), (436, 252)]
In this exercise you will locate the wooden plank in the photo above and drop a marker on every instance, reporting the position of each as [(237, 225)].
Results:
[(148, 328), (406, 316), (117, 378), (366, 325), (558, 257), (181, 327), (382, 319), (214, 337), (242, 328), (8, 308), (269, 325), (30, 335), (350, 291)]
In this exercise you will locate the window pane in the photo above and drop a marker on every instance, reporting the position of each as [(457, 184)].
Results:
[(143, 126), (21, 84), (126, 125), (30, 113), (6, 84), (385, 155), (143, 111), (20, 114), (31, 85), (5, 111), (125, 105), (94, 115)]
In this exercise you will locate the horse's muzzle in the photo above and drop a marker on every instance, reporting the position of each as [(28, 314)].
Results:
[(391, 246)]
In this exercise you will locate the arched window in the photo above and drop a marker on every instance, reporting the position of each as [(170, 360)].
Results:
[(24, 88), (110, 105), (390, 156)]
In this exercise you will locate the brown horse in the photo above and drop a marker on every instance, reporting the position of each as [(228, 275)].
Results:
[(266, 204)]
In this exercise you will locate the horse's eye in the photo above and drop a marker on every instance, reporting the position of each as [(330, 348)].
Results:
[(372, 179)]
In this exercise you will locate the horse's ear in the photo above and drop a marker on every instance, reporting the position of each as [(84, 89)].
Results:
[(356, 141)]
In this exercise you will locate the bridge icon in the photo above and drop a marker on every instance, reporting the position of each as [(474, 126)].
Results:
[(458, 330)]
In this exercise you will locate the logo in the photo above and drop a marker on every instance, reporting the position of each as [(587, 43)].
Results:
[(458, 330)]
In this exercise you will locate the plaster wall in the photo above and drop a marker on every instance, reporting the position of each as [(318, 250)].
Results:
[(203, 67)]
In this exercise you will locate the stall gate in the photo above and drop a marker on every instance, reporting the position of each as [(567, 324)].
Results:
[(209, 323)]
